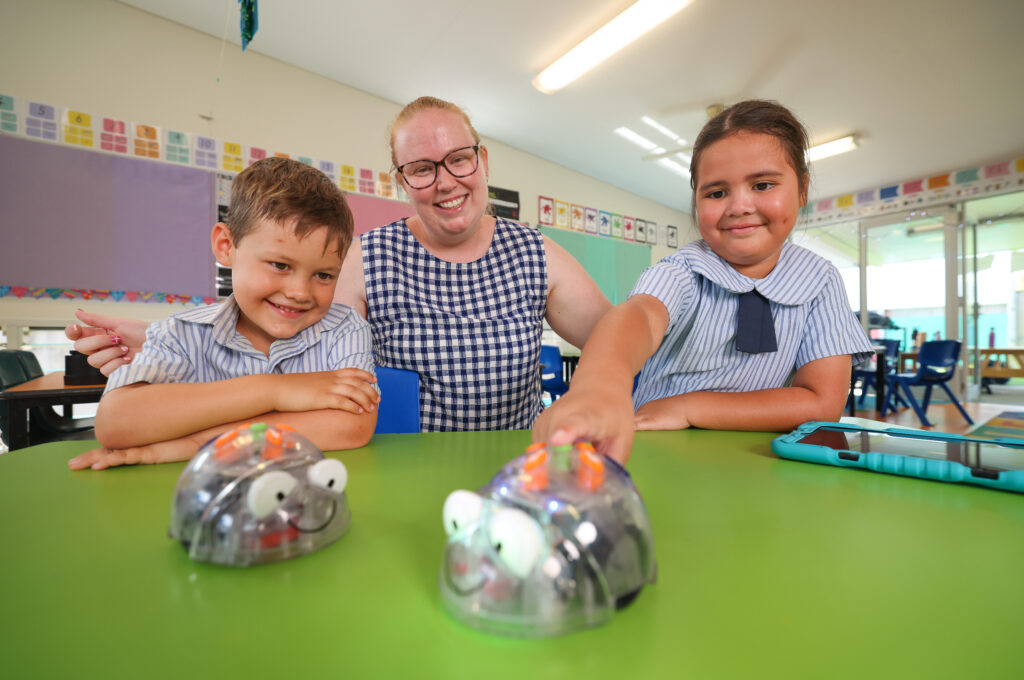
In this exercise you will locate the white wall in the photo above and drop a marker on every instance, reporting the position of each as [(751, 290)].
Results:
[(107, 58)]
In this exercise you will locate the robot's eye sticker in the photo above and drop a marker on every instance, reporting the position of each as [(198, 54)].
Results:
[(517, 539), (268, 492), (329, 474), (461, 509)]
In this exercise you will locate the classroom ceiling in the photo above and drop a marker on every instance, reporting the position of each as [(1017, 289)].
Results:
[(927, 86)]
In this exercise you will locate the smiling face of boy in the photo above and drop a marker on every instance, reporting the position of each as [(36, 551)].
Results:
[(283, 284)]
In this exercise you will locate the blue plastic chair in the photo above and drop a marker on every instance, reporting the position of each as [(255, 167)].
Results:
[(867, 376), (399, 407), (551, 371), (936, 367)]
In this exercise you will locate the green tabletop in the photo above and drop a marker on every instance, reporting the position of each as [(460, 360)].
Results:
[(767, 568)]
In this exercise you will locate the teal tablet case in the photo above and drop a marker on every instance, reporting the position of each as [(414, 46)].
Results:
[(789, 446)]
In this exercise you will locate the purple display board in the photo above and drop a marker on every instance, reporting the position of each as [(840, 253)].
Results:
[(71, 218)]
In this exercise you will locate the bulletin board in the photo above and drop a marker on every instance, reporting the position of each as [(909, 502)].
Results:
[(614, 265), (72, 218)]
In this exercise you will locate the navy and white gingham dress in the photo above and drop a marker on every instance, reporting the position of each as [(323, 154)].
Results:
[(471, 330)]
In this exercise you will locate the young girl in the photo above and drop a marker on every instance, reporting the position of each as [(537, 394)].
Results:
[(739, 330)]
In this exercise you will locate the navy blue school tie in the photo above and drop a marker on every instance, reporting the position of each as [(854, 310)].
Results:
[(755, 328)]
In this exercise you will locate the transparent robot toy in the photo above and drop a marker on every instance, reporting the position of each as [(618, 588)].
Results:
[(556, 542), (259, 494)]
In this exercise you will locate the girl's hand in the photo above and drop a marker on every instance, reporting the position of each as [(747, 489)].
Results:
[(603, 418), (110, 341), (662, 414), (347, 389)]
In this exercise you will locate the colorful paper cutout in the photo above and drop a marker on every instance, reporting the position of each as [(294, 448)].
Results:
[(206, 152), (114, 135), (41, 121), (253, 154), (590, 220), (628, 228), (78, 129), (652, 233), (605, 222), (231, 157), (176, 146), (576, 217), (561, 214), (8, 114), (545, 211), (145, 141)]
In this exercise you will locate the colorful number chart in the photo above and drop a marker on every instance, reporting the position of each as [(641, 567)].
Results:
[(231, 158), (329, 169), (253, 154), (577, 217), (366, 183), (604, 222), (78, 128), (628, 228), (176, 146), (41, 121), (146, 141), (114, 135), (8, 114), (562, 214), (347, 181), (590, 220), (206, 152)]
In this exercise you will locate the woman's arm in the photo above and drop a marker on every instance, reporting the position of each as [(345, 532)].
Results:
[(110, 341), (599, 404), (818, 392), (575, 303), (351, 288)]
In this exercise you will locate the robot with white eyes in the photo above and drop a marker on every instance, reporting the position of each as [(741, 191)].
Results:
[(259, 494), (556, 542)]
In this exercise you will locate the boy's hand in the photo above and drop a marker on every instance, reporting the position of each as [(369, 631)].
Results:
[(347, 389), (110, 341), (662, 414), (603, 418), (161, 452)]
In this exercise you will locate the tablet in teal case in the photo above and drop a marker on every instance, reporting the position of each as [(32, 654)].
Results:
[(994, 463)]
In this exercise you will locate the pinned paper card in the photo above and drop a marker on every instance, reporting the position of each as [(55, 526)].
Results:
[(844, 201), (253, 154), (671, 236), (384, 186), (176, 146), (545, 211), (628, 228), (8, 114), (41, 121), (305, 159), (576, 221), (329, 168), (78, 128), (146, 140), (347, 180), (206, 152), (604, 223), (652, 233), (231, 157), (641, 231), (590, 220), (114, 135), (366, 183), (282, 154), (562, 214), (615, 226)]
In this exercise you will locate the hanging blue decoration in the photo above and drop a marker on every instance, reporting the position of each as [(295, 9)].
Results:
[(250, 21)]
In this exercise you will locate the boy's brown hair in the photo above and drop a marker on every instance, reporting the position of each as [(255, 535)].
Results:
[(280, 189)]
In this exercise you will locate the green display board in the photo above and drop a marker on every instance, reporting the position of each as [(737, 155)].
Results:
[(614, 265)]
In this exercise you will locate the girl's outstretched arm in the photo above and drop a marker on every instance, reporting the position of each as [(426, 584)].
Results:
[(818, 392), (599, 405)]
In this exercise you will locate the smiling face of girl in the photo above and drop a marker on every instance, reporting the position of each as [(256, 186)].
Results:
[(747, 199)]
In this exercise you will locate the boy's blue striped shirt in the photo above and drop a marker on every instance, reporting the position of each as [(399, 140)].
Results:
[(700, 290), (203, 345)]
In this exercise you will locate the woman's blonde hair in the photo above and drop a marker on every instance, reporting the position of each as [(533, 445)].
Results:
[(425, 104)]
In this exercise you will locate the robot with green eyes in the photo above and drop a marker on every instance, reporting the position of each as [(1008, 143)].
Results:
[(556, 542), (259, 494)]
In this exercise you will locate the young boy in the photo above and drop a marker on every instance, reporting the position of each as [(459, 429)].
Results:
[(276, 350)]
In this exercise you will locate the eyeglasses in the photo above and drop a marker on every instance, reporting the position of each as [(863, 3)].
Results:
[(459, 163)]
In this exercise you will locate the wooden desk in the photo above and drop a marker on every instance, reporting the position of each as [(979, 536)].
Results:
[(47, 391), (767, 568), (1007, 362)]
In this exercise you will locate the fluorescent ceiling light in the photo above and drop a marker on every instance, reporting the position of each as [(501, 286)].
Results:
[(639, 140), (833, 148), (663, 130), (636, 20), (673, 166)]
